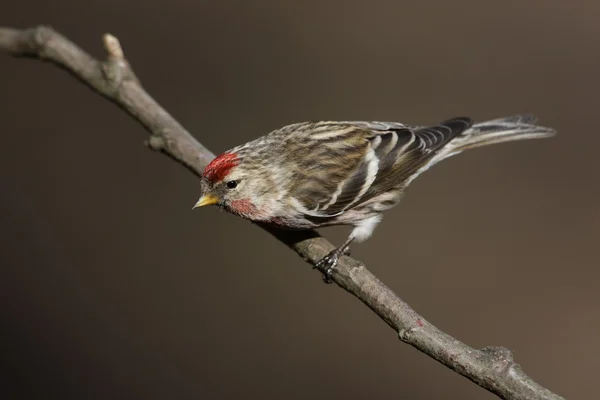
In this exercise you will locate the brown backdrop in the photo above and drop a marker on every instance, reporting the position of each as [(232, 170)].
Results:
[(113, 288)]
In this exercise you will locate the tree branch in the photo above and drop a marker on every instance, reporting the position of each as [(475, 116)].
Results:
[(491, 368)]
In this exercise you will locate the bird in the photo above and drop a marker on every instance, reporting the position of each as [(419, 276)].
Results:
[(322, 173)]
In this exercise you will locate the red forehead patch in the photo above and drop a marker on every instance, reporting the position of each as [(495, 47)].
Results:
[(218, 168)]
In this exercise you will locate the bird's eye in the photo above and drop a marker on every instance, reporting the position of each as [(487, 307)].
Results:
[(231, 184)]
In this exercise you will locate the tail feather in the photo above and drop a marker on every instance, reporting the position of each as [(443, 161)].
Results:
[(517, 127)]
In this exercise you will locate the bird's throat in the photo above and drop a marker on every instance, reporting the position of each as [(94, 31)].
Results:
[(244, 208)]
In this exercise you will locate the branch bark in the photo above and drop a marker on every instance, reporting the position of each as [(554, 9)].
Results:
[(492, 368)]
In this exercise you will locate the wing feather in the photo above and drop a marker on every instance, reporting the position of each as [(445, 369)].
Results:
[(415, 147), (370, 159)]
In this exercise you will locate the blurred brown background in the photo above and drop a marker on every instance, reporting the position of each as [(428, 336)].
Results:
[(113, 288)]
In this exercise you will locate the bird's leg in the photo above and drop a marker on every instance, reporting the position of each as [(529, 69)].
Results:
[(329, 262)]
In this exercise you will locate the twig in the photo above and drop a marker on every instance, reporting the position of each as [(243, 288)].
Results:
[(491, 368)]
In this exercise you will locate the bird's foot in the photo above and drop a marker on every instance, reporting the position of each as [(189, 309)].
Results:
[(328, 263)]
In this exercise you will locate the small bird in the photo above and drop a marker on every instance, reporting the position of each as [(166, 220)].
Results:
[(314, 174)]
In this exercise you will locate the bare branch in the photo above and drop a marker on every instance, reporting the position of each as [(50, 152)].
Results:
[(491, 368)]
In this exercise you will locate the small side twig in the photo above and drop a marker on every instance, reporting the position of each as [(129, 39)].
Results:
[(492, 368)]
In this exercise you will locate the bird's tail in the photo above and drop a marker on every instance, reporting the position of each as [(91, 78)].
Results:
[(518, 127)]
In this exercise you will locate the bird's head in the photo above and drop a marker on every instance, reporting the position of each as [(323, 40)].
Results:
[(228, 183)]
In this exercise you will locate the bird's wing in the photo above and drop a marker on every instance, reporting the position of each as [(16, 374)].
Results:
[(369, 159)]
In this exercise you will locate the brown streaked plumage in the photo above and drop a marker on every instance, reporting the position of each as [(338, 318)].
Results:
[(315, 174)]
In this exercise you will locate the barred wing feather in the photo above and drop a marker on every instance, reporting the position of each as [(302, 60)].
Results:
[(391, 154)]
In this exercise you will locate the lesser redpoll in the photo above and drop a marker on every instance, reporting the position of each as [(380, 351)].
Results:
[(314, 174)]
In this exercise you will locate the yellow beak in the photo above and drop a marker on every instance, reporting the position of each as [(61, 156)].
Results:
[(206, 200)]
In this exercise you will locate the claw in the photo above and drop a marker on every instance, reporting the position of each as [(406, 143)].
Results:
[(327, 264)]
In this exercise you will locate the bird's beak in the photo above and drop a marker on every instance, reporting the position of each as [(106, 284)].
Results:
[(206, 200)]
